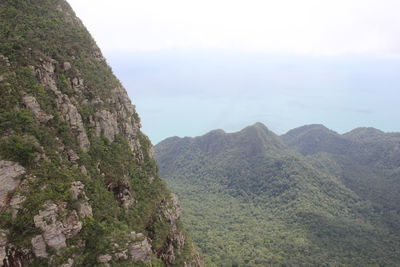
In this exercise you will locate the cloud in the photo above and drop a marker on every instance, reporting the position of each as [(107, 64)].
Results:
[(289, 26)]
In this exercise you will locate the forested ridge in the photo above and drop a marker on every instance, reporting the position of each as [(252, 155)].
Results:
[(311, 197)]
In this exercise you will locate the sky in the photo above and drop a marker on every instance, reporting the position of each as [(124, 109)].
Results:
[(194, 66)]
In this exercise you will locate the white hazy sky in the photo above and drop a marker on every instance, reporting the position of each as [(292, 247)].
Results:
[(193, 66), (317, 27)]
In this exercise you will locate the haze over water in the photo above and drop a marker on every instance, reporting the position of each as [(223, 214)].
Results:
[(190, 93), (193, 66)]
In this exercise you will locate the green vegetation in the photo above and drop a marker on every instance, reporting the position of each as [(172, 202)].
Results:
[(249, 200), (44, 37), (366, 160)]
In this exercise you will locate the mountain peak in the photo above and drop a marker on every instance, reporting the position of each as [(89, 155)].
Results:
[(307, 128), (315, 138), (259, 125), (363, 133)]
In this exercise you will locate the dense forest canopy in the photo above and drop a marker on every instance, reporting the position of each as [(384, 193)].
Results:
[(309, 197)]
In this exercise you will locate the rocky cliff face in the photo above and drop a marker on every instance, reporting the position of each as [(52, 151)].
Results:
[(79, 185)]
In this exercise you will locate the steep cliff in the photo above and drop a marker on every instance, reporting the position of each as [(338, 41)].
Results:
[(79, 185)]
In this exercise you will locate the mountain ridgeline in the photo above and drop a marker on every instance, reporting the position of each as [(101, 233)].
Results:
[(311, 197), (78, 182)]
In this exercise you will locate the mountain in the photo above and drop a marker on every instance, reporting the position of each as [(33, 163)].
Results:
[(366, 160), (253, 198), (311, 139), (78, 182)]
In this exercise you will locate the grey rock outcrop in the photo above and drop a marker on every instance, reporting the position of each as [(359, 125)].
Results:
[(104, 259), (34, 107), (15, 256), (72, 224), (52, 229), (78, 193), (16, 204), (3, 244), (122, 193), (119, 120), (39, 246), (176, 240), (9, 173), (106, 124), (69, 263), (55, 231), (122, 255), (69, 111), (71, 115), (137, 249), (66, 66), (140, 251)]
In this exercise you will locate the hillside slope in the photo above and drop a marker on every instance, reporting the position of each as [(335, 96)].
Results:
[(260, 202), (366, 160), (78, 183)]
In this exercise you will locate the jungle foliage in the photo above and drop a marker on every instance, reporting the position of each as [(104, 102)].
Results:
[(253, 198)]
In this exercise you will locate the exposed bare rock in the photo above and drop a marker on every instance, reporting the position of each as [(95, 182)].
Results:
[(49, 66), (121, 255), (106, 124), (9, 173), (195, 262), (3, 244), (151, 152), (84, 209), (34, 107), (56, 232), (71, 225), (75, 81), (123, 99), (6, 60), (52, 229), (69, 263), (68, 110), (71, 115), (16, 201), (16, 204), (72, 156), (12, 256), (78, 193), (66, 66), (175, 240), (76, 190), (15, 256), (119, 121), (151, 179), (69, 17), (173, 212), (39, 247), (122, 193), (136, 148), (83, 169), (140, 249), (78, 86), (104, 259), (97, 53)]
